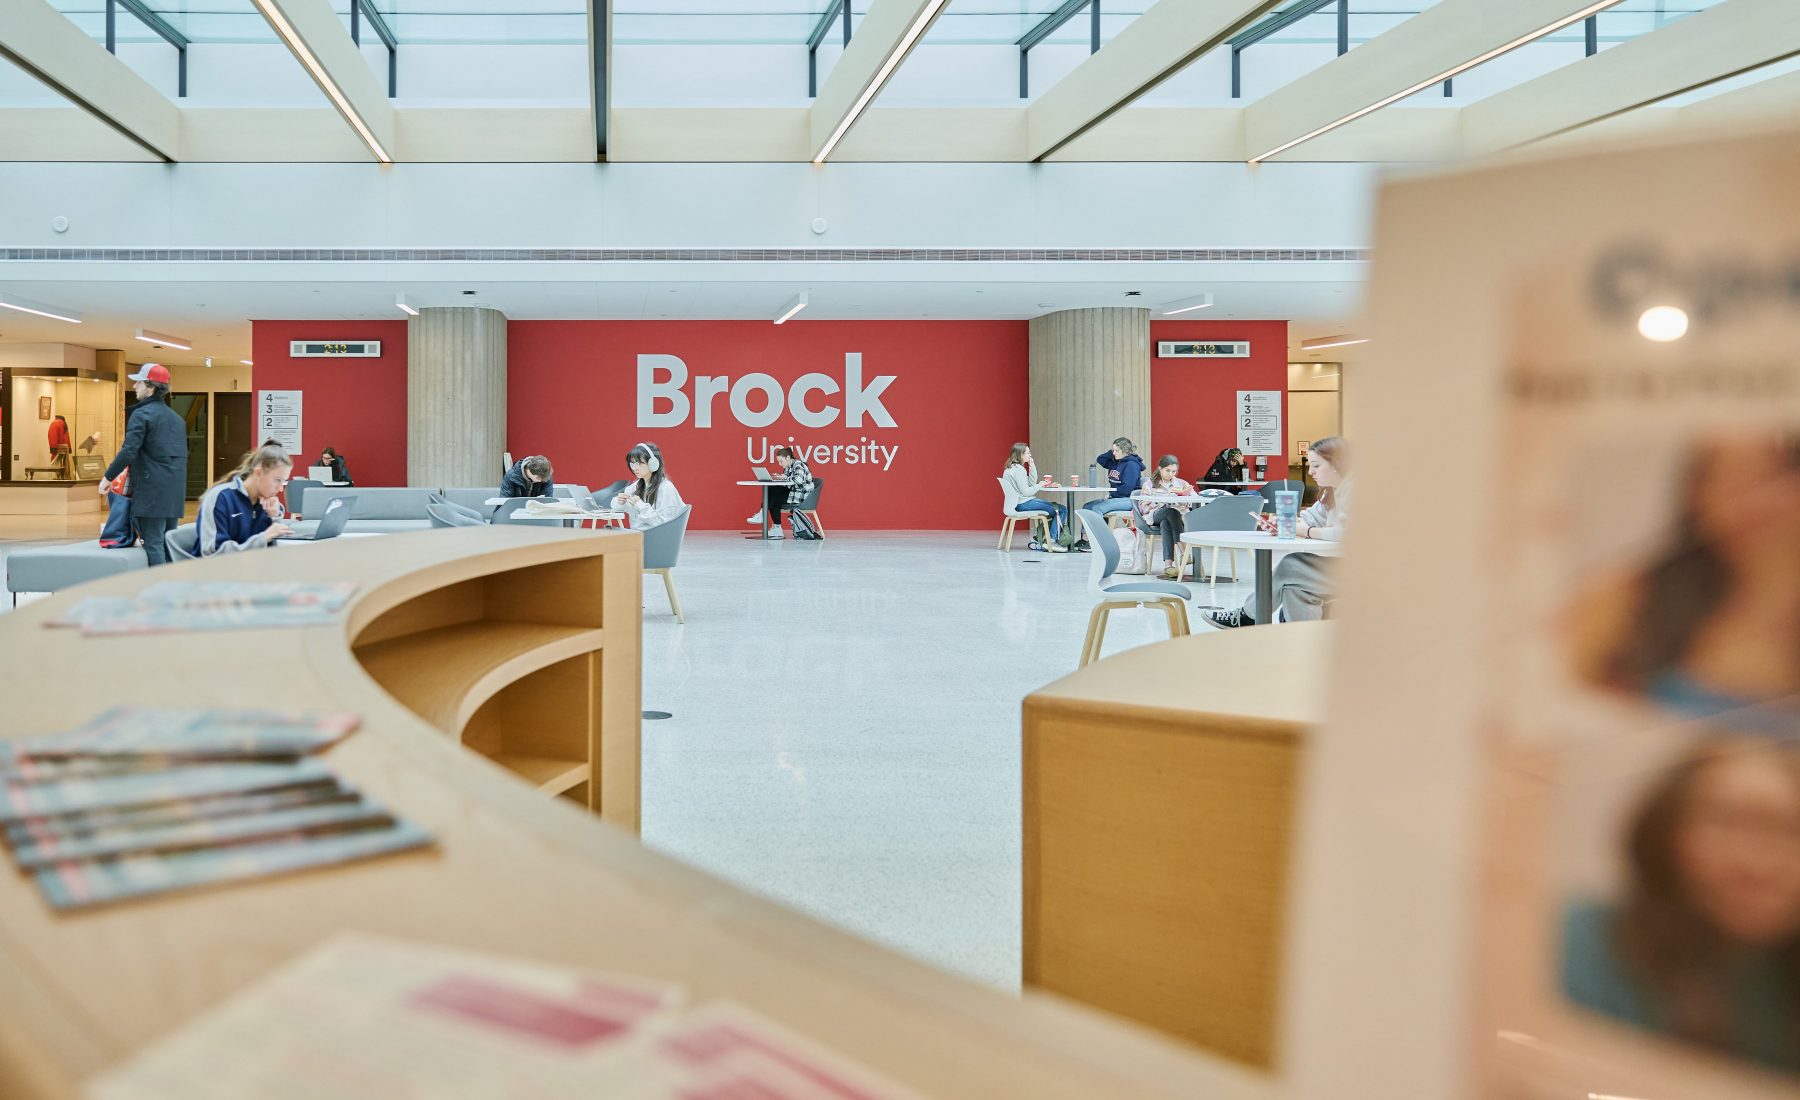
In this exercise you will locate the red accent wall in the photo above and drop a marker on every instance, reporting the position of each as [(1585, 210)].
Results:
[(958, 401), (1193, 402), (357, 405)]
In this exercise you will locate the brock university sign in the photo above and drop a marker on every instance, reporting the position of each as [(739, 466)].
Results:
[(662, 380)]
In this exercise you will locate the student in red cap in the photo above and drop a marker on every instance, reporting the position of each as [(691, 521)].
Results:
[(156, 452)]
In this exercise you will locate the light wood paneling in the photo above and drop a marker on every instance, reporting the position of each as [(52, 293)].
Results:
[(455, 397), (513, 872), (1090, 384), (1160, 790)]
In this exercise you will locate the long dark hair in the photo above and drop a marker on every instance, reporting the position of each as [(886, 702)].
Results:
[(1670, 948), (646, 487), (1163, 463), (1679, 591)]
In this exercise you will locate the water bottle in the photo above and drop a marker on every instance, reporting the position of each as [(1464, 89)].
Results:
[(1287, 511), (1093, 474)]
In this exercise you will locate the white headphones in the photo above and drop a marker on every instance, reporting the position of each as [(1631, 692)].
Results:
[(655, 463)]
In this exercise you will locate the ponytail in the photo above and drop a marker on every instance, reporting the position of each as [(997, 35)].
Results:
[(266, 457)]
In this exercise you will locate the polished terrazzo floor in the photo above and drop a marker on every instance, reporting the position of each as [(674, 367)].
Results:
[(845, 724)]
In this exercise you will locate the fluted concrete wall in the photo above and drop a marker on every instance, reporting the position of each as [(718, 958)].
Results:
[(1090, 384), (455, 397)]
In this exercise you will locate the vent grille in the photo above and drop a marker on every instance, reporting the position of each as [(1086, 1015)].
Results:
[(689, 255)]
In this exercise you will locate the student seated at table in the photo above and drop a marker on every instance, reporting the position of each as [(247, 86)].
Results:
[(528, 477), (652, 499), (333, 461), (243, 511), (1303, 582), (799, 486), (1163, 517), (1229, 466), (1019, 481), (1124, 472)]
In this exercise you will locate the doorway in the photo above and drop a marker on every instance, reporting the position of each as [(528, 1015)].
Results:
[(233, 431), (1315, 410)]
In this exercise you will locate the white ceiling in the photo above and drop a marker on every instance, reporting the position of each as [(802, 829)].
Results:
[(216, 316)]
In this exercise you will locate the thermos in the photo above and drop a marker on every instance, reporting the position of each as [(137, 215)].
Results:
[(1093, 474)]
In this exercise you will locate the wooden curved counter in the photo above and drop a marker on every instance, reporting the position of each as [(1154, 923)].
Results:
[(1160, 789), (514, 871)]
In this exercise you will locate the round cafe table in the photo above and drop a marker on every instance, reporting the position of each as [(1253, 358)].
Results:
[(1265, 547), (766, 486), (1071, 528)]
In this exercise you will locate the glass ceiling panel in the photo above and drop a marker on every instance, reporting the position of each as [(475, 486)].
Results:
[(196, 20)]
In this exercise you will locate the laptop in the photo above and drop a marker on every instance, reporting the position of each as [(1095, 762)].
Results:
[(331, 525), (320, 473), (762, 474)]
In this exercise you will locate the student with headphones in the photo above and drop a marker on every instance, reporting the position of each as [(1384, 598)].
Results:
[(652, 499), (528, 477)]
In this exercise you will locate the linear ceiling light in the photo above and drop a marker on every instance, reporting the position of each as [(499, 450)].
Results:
[(1331, 342), (793, 307), (163, 339), (1185, 305), (1454, 70), (406, 305), (278, 19), (888, 65), (41, 309)]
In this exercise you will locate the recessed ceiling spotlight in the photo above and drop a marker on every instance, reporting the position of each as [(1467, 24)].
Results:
[(1663, 323)]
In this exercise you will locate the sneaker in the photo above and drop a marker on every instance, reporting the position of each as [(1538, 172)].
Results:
[(1036, 547), (1229, 620), (755, 521), (1171, 574), (1058, 548), (775, 533)]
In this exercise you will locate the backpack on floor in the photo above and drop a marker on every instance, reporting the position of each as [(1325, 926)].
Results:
[(1134, 551)]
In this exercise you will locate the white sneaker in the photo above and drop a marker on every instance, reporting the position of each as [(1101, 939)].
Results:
[(775, 533), (755, 521)]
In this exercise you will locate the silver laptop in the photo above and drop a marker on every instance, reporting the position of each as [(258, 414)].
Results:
[(331, 525), (320, 473), (762, 474)]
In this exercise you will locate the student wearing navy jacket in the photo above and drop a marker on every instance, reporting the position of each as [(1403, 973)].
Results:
[(529, 477), (243, 512), (1124, 472)]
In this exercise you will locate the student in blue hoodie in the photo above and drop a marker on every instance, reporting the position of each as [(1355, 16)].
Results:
[(243, 512), (1124, 472)]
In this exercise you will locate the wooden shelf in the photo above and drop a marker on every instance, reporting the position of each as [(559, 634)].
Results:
[(549, 774), (444, 675)]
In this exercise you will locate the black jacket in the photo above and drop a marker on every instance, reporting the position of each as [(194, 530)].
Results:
[(340, 469), (1223, 470), (516, 484), (156, 451)]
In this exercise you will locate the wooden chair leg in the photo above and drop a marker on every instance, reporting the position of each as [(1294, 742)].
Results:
[(818, 528), (1234, 575), (1005, 529), (1178, 618), (669, 587), (1090, 647)]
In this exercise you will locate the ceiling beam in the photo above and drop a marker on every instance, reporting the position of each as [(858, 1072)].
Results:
[(600, 22), (1424, 50), (1733, 38), (1151, 48), (312, 32), (46, 44), (885, 36), (1777, 96)]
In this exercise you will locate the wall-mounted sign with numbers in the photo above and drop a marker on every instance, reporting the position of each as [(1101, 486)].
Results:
[(1192, 349), (278, 418), (1259, 422), (334, 349)]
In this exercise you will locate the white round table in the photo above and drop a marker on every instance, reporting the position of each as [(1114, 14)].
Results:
[(1265, 547), (1072, 529), (568, 519), (766, 486)]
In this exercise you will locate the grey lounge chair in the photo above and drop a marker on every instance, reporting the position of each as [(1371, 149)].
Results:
[(445, 514), (662, 549), (1166, 596), (1233, 513), (183, 542), (296, 494)]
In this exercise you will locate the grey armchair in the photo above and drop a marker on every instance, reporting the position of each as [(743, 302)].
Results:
[(662, 549), (296, 494), (183, 542), (445, 514)]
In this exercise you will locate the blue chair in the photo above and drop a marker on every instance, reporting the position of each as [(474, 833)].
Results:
[(1166, 596)]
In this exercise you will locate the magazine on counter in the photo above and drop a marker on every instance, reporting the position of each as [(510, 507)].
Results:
[(1568, 715), (172, 606), (174, 733)]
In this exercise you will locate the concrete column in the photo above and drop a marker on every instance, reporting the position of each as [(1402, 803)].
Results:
[(455, 397), (1090, 384)]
